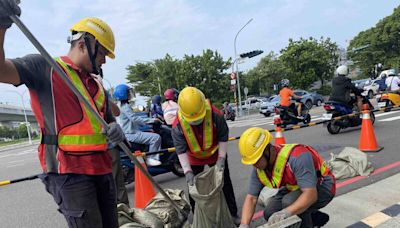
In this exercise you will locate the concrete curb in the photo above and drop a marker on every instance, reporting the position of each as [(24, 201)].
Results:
[(19, 145)]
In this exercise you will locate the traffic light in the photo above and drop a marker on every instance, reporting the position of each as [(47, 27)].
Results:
[(251, 54)]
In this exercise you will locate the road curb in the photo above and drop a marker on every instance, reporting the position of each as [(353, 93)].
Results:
[(19, 145)]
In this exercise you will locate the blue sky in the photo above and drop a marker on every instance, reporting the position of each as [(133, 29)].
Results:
[(147, 30)]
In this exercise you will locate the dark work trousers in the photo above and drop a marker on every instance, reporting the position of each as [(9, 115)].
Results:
[(284, 198), (84, 200), (122, 195), (227, 189)]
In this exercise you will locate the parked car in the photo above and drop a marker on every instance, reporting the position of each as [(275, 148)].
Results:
[(267, 107), (360, 83), (370, 88), (318, 99), (307, 98), (251, 103)]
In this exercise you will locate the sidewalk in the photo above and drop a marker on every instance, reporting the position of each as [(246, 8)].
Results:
[(375, 205), (18, 145)]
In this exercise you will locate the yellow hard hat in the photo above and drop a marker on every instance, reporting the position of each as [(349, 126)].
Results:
[(192, 104), (252, 144), (100, 30)]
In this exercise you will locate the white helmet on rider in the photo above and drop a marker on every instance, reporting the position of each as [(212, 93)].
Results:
[(285, 82), (342, 70)]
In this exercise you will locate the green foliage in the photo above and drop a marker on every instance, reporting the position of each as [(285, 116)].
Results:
[(384, 44), (18, 133), (206, 72), (261, 79), (308, 60), (324, 90)]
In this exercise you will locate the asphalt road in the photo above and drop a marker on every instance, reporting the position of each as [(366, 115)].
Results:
[(27, 204)]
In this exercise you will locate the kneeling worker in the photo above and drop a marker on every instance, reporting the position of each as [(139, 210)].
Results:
[(305, 183)]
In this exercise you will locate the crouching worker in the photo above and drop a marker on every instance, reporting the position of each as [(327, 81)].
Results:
[(305, 183)]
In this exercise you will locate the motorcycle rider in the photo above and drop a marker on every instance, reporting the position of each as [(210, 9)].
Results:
[(170, 106), (286, 94), (156, 109), (130, 125), (342, 87), (392, 82)]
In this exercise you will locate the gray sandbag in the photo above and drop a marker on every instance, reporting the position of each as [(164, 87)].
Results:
[(265, 194), (292, 222), (211, 210), (350, 162), (135, 217), (166, 212)]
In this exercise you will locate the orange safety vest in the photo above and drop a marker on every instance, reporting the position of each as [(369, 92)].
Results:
[(207, 149), (280, 164), (85, 135)]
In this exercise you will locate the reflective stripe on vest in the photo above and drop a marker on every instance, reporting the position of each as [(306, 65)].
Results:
[(85, 135), (206, 150), (279, 168)]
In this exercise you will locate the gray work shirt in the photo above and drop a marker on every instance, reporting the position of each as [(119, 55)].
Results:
[(303, 170)]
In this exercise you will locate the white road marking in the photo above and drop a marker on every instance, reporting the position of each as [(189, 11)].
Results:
[(386, 113), (16, 161), (269, 123), (390, 119), (10, 166)]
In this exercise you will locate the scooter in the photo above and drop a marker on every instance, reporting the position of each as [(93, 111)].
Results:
[(170, 161), (289, 115), (230, 115), (335, 109), (387, 100)]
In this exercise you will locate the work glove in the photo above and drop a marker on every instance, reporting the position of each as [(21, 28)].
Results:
[(189, 178), (244, 226), (279, 216), (221, 163), (115, 135), (8, 8)]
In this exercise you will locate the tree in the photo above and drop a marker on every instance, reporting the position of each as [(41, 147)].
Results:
[(383, 42), (206, 72), (261, 79), (309, 60)]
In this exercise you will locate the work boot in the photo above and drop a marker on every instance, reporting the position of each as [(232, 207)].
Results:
[(152, 162), (319, 218)]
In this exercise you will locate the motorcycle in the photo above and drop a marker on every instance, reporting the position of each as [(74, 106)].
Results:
[(170, 161), (387, 100), (230, 113), (289, 114), (335, 109)]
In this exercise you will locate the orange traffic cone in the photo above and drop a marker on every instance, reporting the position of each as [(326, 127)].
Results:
[(367, 138), (144, 191), (279, 139)]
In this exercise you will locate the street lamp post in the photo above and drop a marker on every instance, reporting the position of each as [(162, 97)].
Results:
[(158, 77), (237, 68), (27, 124)]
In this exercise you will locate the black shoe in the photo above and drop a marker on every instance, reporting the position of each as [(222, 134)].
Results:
[(319, 218)]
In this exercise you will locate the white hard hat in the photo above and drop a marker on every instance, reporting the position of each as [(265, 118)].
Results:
[(342, 70)]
